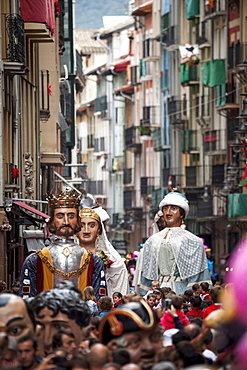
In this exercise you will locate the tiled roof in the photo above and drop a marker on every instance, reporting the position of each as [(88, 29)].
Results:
[(85, 44)]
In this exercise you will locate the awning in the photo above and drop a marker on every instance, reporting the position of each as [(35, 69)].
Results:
[(39, 11), (127, 89), (121, 65), (143, 9), (31, 209)]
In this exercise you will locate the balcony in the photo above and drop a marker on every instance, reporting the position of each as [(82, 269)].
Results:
[(219, 8), (39, 20), (201, 36), (65, 101), (191, 175), (189, 141), (218, 174), (149, 50), (100, 105), (204, 209), (165, 22), (127, 178), (127, 199), (99, 145), (131, 137), (157, 140), (173, 176), (151, 116), (164, 79), (142, 8), (157, 196), (194, 175), (90, 141), (147, 185), (14, 51), (170, 36), (134, 75), (189, 74), (237, 53), (202, 106), (214, 140), (175, 109), (226, 101), (80, 79), (95, 187)]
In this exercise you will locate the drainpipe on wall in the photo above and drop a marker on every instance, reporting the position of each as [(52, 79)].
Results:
[(1, 128)]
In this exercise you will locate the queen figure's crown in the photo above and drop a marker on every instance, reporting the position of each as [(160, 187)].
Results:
[(64, 199), (88, 212)]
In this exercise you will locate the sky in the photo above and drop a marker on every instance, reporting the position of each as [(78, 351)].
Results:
[(88, 13)]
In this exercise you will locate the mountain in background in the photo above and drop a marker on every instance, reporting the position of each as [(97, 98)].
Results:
[(89, 13)]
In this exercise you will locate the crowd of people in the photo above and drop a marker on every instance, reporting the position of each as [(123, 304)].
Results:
[(74, 310), (62, 328)]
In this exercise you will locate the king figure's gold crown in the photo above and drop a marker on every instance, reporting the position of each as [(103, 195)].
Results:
[(66, 199)]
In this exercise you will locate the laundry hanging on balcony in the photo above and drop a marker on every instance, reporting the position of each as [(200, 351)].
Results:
[(192, 8), (214, 75)]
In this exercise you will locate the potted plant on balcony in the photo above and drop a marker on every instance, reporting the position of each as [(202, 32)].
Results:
[(193, 61), (144, 131)]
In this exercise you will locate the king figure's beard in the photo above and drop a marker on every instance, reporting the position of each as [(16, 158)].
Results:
[(67, 230)]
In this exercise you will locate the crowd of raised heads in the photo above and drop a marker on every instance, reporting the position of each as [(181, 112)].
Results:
[(65, 329)]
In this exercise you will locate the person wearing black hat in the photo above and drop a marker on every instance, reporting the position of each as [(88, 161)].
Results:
[(136, 328)]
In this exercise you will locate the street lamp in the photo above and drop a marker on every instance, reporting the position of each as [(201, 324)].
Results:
[(233, 168), (205, 197), (242, 71), (236, 145)]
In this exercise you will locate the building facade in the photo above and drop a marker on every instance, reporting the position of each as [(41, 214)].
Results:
[(175, 92)]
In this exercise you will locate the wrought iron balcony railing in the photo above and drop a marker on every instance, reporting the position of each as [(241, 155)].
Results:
[(150, 115), (130, 136), (15, 42), (215, 140), (127, 179), (218, 7), (237, 53)]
